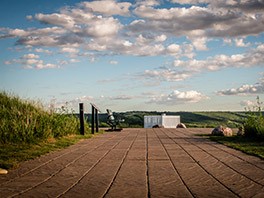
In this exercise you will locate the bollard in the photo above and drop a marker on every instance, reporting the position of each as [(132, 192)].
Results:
[(93, 109), (81, 119)]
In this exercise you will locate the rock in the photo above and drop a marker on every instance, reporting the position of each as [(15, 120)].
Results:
[(158, 126), (228, 132), (3, 171), (221, 131), (181, 125), (218, 131)]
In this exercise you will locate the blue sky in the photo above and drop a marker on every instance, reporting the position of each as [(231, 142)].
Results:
[(167, 55)]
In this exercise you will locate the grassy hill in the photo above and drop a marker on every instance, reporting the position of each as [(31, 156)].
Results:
[(191, 119), (27, 121)]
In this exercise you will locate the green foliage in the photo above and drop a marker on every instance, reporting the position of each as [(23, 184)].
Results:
[(253, 146), (25, 121), (135, 119), (12, 154), (254, 124)]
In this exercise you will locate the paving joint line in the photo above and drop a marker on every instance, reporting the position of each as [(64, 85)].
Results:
[(240, 173), (43, 164), (147, 165), (58, 171), (203, 167), (122, 162), (174, 167), (86, 172)]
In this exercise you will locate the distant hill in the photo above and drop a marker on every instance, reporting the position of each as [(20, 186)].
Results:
[(191, 119)]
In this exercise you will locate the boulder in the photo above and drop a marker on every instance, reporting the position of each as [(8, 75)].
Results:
[(218, 131), (158, 126), (181, 125), (228, 132), (221, 131)]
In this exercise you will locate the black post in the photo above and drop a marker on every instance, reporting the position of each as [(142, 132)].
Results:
[(96, 121), (81, 119), (93, 119)]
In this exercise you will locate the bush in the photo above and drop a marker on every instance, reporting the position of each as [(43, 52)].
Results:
[(254, 124)]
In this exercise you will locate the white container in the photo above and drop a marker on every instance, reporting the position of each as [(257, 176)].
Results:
[(161, 120)]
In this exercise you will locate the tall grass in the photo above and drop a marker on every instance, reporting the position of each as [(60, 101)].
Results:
[(254, 124), (25, 121)]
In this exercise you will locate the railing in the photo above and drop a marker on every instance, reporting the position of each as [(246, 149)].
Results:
[(94, 119)]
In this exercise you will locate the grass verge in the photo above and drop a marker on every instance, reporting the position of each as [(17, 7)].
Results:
[(12, 154), (251, 146)]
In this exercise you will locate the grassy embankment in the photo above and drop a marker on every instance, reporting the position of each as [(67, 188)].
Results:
[(28, 131), (252, 141)]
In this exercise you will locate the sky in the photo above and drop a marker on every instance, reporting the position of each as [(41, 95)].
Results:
[(142, 55)]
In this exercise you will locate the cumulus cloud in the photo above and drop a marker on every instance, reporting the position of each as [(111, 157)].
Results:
[(177, 97), (181, 70), (251, 58), (108, 7), (215, 20), (166, 74), (247, 103), (257, 88), (32, 61), (94, 27)]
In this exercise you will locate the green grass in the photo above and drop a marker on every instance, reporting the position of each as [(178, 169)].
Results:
[(27, 130), (12, 154), (23, 121), (251, 146)]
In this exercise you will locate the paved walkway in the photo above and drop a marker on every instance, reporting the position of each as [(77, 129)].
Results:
[(139, 163)]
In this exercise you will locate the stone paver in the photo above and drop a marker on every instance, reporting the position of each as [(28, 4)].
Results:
[(139, 163)]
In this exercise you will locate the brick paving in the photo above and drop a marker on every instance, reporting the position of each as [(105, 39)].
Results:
[(139, 163)]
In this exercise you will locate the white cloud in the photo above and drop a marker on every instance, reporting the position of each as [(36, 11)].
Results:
[(62, 20), (177, 97), (113, 62), (121, 97), (30, 56), (91, 27), (166, 74), (40, 50), (247, 103), (257, 88), (108, 7), (32, 61), (240, 43), (70, 50), (73, 60), (174, 49)]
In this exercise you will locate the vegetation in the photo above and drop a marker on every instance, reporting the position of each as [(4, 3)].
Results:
[(252, 146), (254, 124), (28, 131), (12, 154), (135, 119), (28, 122)]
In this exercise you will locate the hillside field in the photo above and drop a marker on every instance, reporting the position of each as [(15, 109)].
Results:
[(190, 119)]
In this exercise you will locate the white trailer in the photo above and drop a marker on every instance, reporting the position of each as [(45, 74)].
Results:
[(161, 120)]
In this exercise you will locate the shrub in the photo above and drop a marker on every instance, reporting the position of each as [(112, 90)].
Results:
[(254, 124)]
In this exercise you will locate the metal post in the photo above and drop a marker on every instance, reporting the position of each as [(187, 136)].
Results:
[(93, 119), (81, 119), (96, 121)]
